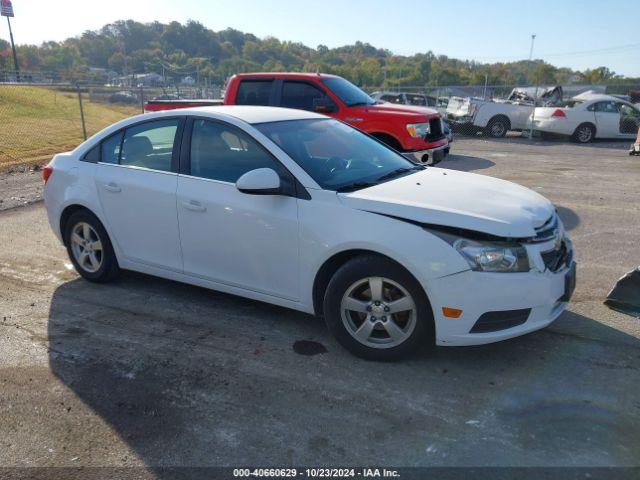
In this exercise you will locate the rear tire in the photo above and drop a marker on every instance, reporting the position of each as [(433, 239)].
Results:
[(584, 133), (497, 127), (89, 248), (377, 310)]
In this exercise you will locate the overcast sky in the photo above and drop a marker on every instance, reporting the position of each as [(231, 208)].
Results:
[(577, 34)]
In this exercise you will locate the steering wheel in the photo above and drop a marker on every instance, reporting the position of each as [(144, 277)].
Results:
[(336, 163)]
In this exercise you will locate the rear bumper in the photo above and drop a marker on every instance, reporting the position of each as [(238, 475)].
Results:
[(552, 125), (429, 156)]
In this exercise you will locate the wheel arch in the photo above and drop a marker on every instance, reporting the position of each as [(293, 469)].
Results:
[(70, 210), (388, 139), (333, 263), (500, 116)]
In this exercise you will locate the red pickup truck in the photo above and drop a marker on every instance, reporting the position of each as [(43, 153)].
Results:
[(417, 132)]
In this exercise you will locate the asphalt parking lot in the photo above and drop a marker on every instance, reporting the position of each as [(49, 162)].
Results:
[(147, 372)]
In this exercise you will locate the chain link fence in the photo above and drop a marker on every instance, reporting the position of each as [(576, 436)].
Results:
[(41, 120)]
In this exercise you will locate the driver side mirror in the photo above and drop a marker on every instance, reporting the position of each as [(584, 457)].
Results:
[(324, 105), (261, 181)]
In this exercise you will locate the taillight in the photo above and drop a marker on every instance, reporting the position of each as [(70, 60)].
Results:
[(558, 114), (46, 173)]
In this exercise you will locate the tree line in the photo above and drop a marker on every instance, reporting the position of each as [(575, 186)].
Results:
[(176, 49)]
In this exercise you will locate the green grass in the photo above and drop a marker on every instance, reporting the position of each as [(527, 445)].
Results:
[(37, 122)]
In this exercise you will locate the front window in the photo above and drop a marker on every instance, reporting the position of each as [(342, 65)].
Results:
[(337, 156), (224, 153), (606, 107), (300, 95), (346, 91)]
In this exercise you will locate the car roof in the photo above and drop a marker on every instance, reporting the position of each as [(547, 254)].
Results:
[(590, 97), (286, 74), (247, 113)]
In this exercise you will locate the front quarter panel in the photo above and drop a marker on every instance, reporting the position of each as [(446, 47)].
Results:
[(327, 227)]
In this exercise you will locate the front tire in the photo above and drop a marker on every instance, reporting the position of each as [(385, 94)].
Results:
[(377, 310), (89, 248)]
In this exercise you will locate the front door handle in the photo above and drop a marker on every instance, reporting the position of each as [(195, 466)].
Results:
[(194, 206), (112, 187)]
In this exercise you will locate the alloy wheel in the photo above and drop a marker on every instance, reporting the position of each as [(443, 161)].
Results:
[(378, 312), (584, 134), (86, 247)]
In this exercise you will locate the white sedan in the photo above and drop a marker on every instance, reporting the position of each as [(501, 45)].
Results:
[(300, 210), (589, 116)]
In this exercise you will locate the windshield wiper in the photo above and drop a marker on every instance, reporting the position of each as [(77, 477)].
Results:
[(351, 187), (398, 171)]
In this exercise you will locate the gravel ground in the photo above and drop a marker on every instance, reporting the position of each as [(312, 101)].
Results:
[(151, 373), (19, 188)]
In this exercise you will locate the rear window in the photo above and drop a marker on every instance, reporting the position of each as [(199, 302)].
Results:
[(391, 98), (417, 100), (571, 103), (254, 92)]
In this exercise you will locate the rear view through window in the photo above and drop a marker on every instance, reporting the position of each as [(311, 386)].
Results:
[(254, 92)]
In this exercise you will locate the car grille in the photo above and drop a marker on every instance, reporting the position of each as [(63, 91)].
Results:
[(435, 130), (555, 259)]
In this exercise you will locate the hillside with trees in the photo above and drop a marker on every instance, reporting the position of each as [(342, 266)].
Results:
[(128, 47)]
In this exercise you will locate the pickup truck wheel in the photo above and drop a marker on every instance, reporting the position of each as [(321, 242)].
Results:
[(497, 127), (377, 310), (585, 133)]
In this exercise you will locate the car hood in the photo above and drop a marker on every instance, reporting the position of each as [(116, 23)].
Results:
[(406, 110), (450, 198)]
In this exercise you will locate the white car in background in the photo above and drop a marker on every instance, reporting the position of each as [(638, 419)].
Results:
[(300, 210), (589, 116), (496, 117)]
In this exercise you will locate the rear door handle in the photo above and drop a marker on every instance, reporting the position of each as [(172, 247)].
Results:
[(194, 206), (112, 187)]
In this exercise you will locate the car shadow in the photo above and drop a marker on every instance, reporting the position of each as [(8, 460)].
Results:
[(189, 377), (466, 163), (569, 217), (513, 137)]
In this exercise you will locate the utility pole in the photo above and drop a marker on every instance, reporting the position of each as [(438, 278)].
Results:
[(535, 100), (13, 49), (533, 39), (6, 10)]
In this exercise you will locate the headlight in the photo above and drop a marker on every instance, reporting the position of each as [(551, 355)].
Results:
[(418, 130), (493, 256)]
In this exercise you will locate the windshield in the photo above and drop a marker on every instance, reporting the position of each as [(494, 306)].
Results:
[(337, 156), (347, 92)]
